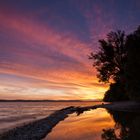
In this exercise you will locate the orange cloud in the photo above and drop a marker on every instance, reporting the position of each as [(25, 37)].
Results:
[(73, 77)]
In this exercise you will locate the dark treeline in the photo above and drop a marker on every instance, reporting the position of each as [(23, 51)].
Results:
[(118, 63)]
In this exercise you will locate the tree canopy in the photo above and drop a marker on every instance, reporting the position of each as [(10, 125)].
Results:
[(110, 59), (118, 60)]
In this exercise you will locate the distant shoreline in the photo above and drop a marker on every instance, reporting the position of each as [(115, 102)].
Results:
[(3, 100)]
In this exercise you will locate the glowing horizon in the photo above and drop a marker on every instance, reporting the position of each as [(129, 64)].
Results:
[(44, 46)]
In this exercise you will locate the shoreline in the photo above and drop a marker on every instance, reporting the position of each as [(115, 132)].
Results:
[(39, 129)]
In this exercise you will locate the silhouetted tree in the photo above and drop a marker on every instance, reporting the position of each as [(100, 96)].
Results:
[(109, 63), (118, 60), (132, 69), (110, 59)]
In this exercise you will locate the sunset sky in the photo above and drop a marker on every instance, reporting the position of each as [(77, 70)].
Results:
[(44, 45)]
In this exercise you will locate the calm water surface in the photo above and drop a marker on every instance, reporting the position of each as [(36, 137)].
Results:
[(87, 126), (98, 124), (17, 113)]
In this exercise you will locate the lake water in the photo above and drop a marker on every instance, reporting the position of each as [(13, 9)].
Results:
[(87, 126), (98, 124), (16, 113)]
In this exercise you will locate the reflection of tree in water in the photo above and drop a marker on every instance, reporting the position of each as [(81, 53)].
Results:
[(127, 127)]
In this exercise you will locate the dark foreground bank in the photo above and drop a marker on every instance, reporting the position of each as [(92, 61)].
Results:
[(39, 129)]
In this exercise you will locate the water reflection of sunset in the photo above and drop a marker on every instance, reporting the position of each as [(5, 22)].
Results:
[(88, 125)]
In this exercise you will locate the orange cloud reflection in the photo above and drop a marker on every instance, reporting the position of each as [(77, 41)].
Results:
[(86, 126)]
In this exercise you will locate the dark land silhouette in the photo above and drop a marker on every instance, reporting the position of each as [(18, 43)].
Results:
[(118, 63), (127, 125), (20, 100)]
